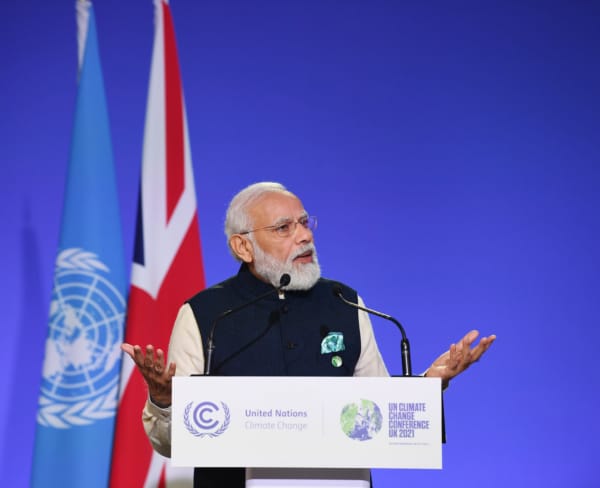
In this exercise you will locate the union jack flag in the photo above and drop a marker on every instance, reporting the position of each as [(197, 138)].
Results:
[(167, 267)]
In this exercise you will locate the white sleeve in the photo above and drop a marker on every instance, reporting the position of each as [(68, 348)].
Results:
[(370, 362), (186, 351)]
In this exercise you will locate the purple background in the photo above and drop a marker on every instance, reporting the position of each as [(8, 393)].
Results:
[(451, 151)]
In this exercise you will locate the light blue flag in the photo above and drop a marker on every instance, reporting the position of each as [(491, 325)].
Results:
[(80, 377)]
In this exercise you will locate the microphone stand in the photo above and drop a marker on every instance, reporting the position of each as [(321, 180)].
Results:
[(283, 282), (404, 345)]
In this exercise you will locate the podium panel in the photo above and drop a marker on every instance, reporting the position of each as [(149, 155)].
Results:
[(307, 478), (307, 422)]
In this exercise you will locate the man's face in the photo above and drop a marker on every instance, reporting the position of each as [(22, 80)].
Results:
[(274, 254)]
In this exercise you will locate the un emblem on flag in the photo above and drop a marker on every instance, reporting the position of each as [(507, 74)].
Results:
[(82, 360)]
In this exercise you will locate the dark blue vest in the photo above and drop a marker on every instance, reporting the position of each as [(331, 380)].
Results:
[(277, 337)]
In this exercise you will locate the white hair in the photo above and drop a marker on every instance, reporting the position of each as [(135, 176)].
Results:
[(237, 218)]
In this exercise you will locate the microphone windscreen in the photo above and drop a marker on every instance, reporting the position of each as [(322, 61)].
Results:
[(337, 290), (284, 280)]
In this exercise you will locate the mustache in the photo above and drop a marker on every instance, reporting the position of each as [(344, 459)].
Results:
[(304, 249)]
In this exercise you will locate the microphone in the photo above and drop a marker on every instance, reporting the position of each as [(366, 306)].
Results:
[(283, 282), (404, 345)]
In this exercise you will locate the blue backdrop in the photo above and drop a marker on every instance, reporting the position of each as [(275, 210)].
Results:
[(451, 151)]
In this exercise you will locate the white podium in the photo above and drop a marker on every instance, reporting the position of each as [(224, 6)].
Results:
[(346, 423)]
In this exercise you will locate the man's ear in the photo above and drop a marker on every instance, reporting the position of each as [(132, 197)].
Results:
[(242, 248)]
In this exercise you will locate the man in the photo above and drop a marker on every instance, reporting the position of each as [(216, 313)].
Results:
[(271, 234)]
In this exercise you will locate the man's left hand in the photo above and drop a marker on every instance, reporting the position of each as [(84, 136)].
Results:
[(459, 357)]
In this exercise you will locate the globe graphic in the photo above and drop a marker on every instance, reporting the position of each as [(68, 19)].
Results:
[(362, 420)]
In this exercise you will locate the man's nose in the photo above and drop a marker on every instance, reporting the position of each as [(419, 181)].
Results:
[(303, 234)]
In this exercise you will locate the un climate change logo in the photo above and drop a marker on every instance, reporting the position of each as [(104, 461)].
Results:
[(206, 419), (81, 366), (361, 421)]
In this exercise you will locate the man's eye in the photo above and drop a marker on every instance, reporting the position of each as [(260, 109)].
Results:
[(303, 221), (283, 228)]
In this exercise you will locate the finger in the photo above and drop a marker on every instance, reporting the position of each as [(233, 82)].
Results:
[(491, 338), (160, 359), (469, 338), (149, 359), (455, 356), (483, 346), (128, 349), (138, 355)]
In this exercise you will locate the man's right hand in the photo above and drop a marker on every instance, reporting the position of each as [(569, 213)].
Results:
[(157, 376)]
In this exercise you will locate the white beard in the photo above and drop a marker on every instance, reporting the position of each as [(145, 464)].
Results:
[(303, 275)]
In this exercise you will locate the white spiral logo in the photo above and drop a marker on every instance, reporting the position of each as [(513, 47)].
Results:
[(206, 419)]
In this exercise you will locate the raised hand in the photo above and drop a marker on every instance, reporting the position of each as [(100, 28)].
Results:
[(158, 377), (459, 357)]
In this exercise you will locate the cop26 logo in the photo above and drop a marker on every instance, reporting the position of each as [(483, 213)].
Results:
[(82, 358), (206, 419)]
